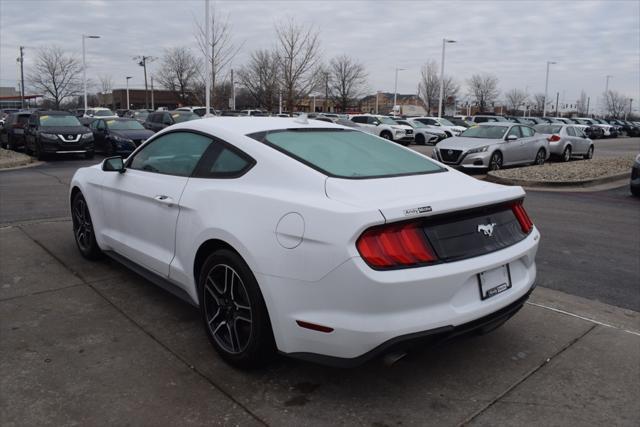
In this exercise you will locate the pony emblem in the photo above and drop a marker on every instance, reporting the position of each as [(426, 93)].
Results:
[(486, 229)]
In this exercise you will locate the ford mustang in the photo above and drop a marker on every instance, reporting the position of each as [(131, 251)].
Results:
[(308, 238)]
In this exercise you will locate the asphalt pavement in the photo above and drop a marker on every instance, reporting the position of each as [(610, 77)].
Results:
[(91, 343)]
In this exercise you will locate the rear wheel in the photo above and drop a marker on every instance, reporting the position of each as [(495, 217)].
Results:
[(83, 228), (589, 154), (540, 157), (566, 154), (233, 311), (420, 139), (495, 163)]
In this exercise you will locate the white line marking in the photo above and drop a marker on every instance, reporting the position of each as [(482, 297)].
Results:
[(583, 318)]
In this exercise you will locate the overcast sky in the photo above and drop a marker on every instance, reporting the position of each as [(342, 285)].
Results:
[(511, 39)]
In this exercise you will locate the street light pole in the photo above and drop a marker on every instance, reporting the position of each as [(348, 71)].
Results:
[(395, 89), (84, 69), (444, 42), (21, 59), (128, 103), (606, 86), (546, 89), (207, 68)]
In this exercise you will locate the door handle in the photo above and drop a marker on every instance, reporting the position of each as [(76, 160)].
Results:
[(165, 200)]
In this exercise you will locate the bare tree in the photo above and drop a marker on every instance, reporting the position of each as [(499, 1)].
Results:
[(515, 99), (347, 81), (539, 100), (106, 85), (55, 74), (178, 72), (615, 104), (260, 78), (219, 48), (581, 104), (298, 53), (429, 86), (484, 89)]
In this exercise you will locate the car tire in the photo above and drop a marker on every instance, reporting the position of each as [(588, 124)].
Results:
[(420, 139), (89, 155), (540, 157), (449, 135), (589, 154), (38, 153), (83, 231), (495, 162), (566, 154), (249, 343), (635, 190), (386, 135)]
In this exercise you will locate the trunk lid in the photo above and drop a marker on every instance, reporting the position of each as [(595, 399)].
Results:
[(406, 197)]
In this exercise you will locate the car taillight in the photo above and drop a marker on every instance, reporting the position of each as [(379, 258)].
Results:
[(554, 138), (521, 215), (395, 245)]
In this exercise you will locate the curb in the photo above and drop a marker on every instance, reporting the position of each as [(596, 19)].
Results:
[(583, 183), (17, 167)]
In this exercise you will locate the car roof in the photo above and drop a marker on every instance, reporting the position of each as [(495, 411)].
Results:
[(498, 123), (248, 125), (53, 113)]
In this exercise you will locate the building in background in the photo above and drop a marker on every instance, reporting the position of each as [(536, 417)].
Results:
[(10, 98)]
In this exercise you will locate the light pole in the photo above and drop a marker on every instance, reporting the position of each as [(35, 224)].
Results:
[(606, 86), (444, 42), (142, 61), (395, 88), (207, 62), (546, 89), (84, 69), (128, 104)]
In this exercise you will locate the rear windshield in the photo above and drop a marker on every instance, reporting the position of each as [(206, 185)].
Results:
[(184, 116), (103, 113), (348, 154), (548, 129), (59, 120), (488, 132)]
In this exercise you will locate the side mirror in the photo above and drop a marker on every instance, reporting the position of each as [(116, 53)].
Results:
[(376, 123), (167, 122), (512, 138), (113, 164)]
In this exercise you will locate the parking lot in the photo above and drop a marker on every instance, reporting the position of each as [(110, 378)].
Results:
[(93, 343)]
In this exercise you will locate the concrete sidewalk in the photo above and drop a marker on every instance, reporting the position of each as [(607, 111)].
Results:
[(94, 344)]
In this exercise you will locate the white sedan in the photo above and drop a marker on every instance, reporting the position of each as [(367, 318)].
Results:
[(308, 238)]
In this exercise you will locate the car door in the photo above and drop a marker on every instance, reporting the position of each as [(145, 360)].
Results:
[(141, 206), (529, 143), (514, 151), (577, 141), (363, 123)]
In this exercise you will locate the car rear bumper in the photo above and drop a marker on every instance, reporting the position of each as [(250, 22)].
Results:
[(369, 311)]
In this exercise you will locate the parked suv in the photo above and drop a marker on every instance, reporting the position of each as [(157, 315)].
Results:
[(12, 136), (118, 136), (159, 120), (385, 127), (449, 128), (57, 132)]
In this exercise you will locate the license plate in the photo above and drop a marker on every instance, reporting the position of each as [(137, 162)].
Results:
[(493, 282), (18, 131)]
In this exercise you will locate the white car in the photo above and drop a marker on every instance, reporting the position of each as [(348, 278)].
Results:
[(423, 134), (449, 128), (605, 127), (199, 110), (384, 127), (307, 238), (99, 112)]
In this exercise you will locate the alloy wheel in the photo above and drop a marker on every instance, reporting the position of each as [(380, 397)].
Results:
[(228, 309), (540, 158), (566, 156), (82, 226), (495, 163)]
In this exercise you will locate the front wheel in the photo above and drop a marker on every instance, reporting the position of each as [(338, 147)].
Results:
[(38, 153), (420, 140), (589, 154), (495, 163), (540, 157), (83, 228), (386, 135), (233, 311)]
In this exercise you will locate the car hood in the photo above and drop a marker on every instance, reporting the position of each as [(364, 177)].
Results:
[(405, 197), (133, 133), (65, 129), (465, 143)]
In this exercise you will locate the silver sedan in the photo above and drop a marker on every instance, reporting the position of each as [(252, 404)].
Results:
[(566, 141), (494, 145)]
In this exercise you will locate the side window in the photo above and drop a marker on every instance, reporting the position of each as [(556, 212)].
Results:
[(175, 153), (431, 122), (166, 118), (372, 120), (100, 125), (527, 131), (33, 120), (515, 130), (359, 119), (570, 131), (223, 161)]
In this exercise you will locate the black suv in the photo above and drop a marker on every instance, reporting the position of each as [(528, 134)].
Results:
[(118, 136), (159, 120), (57, 132), (12, 136)]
